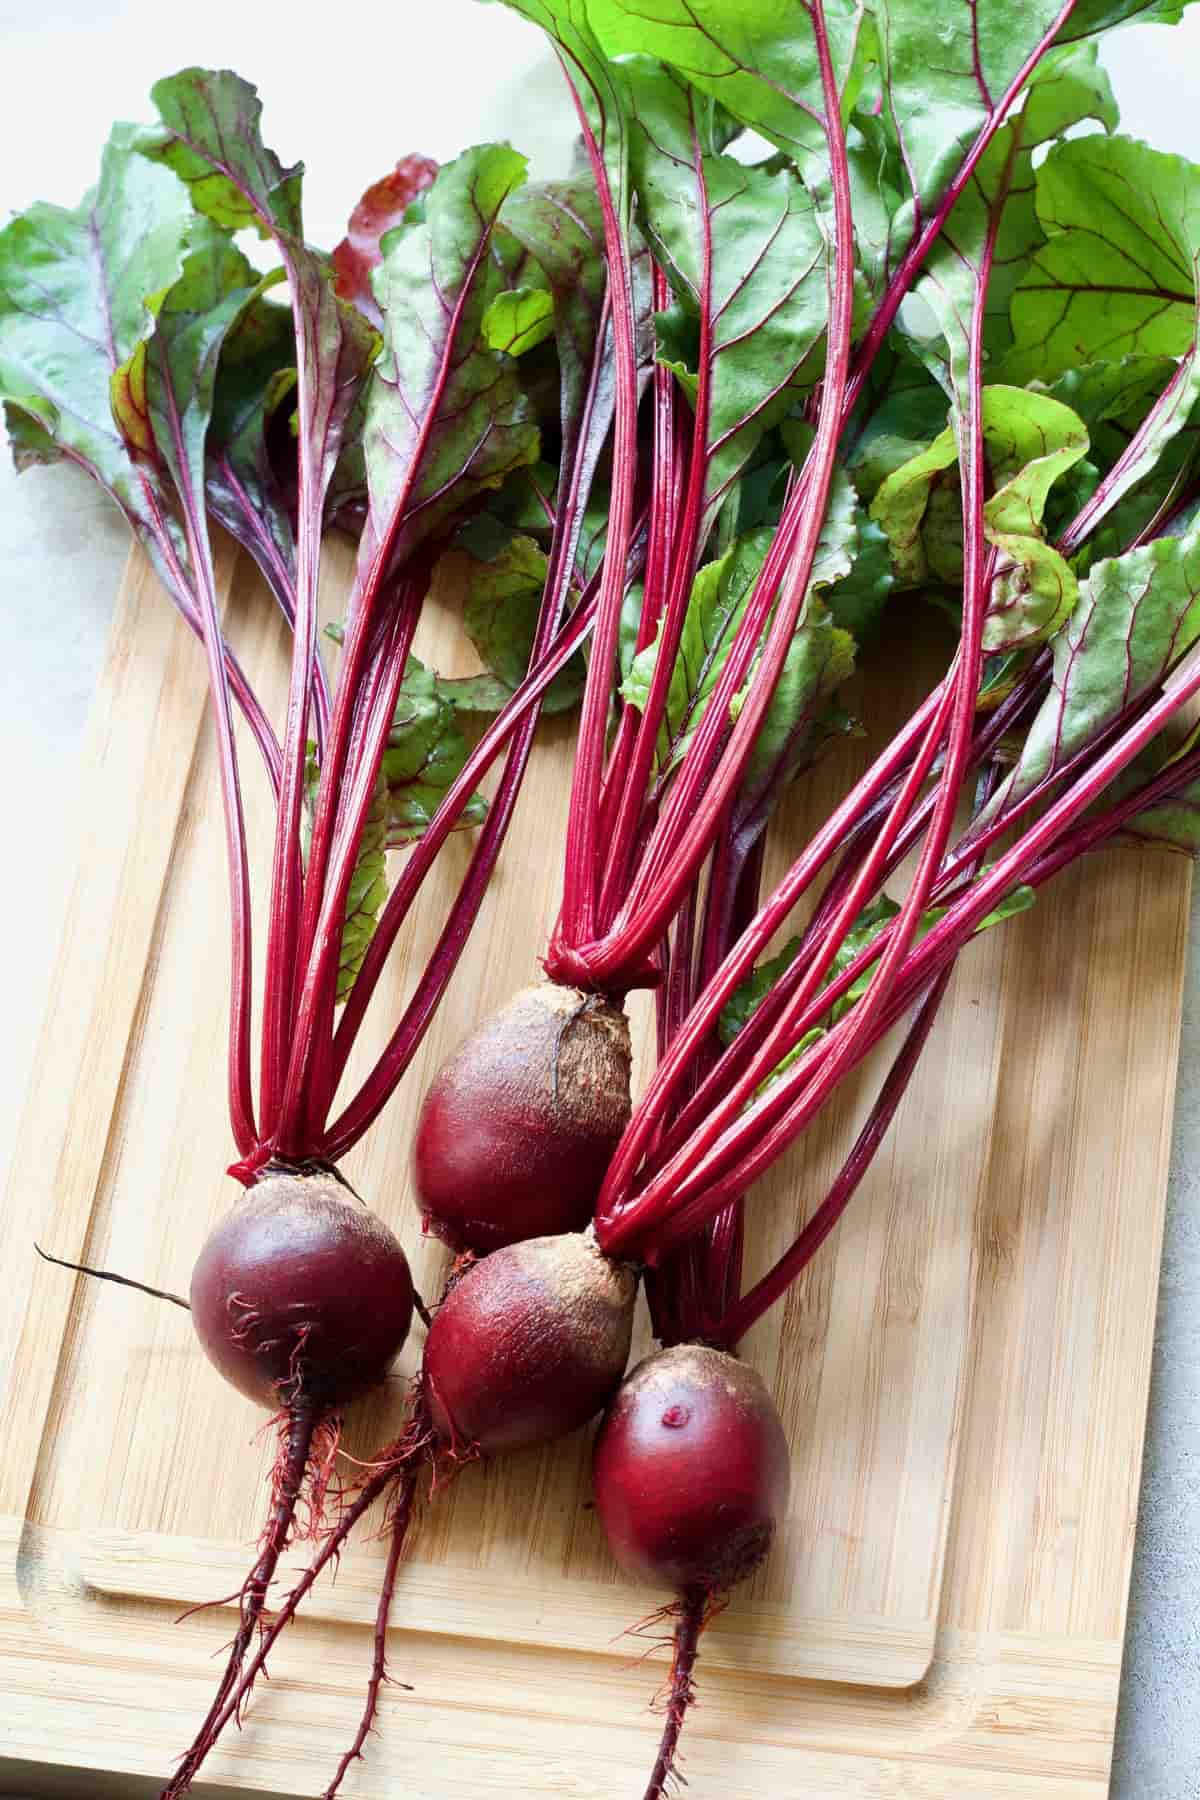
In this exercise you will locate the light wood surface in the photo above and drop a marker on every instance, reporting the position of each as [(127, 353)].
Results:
[(963, 1372)]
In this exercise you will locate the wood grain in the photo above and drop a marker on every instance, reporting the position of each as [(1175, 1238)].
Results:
[(963, 1372)]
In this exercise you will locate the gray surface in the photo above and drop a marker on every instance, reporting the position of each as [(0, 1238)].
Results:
[(1158, 1726), (61, 551)]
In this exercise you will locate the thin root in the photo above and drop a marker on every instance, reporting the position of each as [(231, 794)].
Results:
[(120, 1280), (287, 1482), (692, 1614), (408, 1452), (401, 1514)]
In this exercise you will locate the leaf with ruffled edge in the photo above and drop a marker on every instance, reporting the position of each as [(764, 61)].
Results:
[(745, 252), (501, 602), (1031, 441), (210, 137), (446, 417), (256, 376), (79, 288), (425, 754), (1136, 616)]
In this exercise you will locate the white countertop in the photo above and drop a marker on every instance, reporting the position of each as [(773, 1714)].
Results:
[(62, 548)]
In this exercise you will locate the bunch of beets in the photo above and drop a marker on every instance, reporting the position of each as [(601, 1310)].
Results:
[(843, 308)]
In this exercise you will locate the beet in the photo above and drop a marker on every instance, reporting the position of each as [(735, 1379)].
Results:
[(528, 1345), (301, 1294), (517, 1129), (691, 1474), (691, 1470)]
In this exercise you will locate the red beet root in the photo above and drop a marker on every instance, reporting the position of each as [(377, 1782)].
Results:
[(691, 1470), (301, 1294), (517, 1129), (528, 1345), (691, 1473), (301, 1297)]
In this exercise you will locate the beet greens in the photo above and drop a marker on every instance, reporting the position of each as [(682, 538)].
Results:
[(137, 340)]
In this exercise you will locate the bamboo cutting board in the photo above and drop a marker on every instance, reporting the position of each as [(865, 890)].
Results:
[(963, 1372)]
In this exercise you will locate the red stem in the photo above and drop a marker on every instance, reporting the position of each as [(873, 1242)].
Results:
[(399, 901), (765, 1017), (582, 860), (183, 598), (977, 570), (681, 564), (665, 500), (287, 869), (314, 1019), (241, 1094), (740, 1315), (402, 1045), (702, 1020), (670, 1208), (739, 1318), (717, 755), (282, 584)]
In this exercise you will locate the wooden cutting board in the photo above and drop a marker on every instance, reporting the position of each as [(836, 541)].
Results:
[(963, 1372)]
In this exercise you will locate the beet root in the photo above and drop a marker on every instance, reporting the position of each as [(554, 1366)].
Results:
[(528, 1345), (302, 1294), (691, 1474), (301, 1298), (691, 1470), (517, 1129)]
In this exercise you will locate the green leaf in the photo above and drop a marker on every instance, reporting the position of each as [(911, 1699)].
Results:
[(213, 143), (28, 442), (255, 376), (872, 921), (1137, 614), (902, 408), (1174, 823), (718, 601), (570, 24), (819, 657), (857, 601), (210, 136), (1116, 280), (997, 208), (1031, 441), (1116, 277), (944, 70), (519, 320), (757, 57), (426, 751), (1092, 16), (743, 248), (745, 1001), (175, 372), (500, 612), (74, 285), (446, 418)]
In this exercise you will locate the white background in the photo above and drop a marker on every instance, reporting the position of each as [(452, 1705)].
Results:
[(350, 88)]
